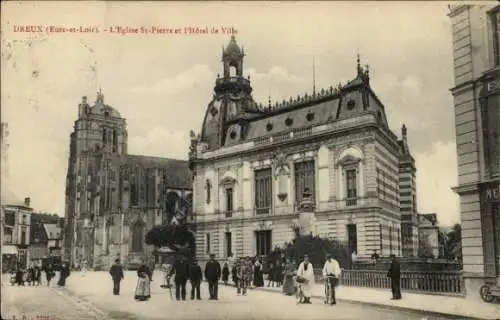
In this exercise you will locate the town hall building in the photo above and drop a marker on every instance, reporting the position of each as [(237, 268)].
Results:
[(113, 198), (253, 165)]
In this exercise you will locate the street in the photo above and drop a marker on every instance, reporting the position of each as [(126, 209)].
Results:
[(89, 296)]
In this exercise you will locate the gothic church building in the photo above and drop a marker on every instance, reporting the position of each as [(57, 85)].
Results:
[(113, 198), (252, 164)]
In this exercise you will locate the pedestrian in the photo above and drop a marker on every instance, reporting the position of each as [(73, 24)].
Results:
[(331, 271), (31, 276), (195, 276), (37, 275), (242, 275), (234, 273), (116, 272), (181, 270), (49, 274), (278, 274), (306, 274), (64, 274), (225, 273), (20, 275), (212, 274), (270, 275), (258, 277), (289, 274), (151, 267), (249, 274), (143, 289), (395, 274)]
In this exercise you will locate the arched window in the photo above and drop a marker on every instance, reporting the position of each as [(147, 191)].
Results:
[(172, 203), (137, 237), (104, 136)]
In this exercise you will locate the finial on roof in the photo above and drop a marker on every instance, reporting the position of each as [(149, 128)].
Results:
[(403, 131), (269, 101), (358, 65), (84, 100), (367, 68), (100, 96)]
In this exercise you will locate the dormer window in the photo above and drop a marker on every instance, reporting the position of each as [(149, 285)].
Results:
[(351, 104), (310, 116), (106, 114), (269, 126), (232, 135), (289, 122)]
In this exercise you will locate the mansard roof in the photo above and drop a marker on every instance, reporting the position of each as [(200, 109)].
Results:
[(177, 171)]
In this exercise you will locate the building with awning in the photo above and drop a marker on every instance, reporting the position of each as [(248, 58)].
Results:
[(17, 227)]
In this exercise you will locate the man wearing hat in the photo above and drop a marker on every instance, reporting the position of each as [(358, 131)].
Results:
[(331, 273), (212, 274), (116, 273), (306, 274)]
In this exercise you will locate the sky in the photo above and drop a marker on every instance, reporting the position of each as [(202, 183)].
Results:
[(162, 83)]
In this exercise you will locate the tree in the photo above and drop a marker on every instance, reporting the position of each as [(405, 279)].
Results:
[(315, 247), (453, 243), (176, 237), (424, 247)]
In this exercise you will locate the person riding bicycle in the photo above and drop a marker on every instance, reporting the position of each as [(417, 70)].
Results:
[(305, 276), (331, 272)]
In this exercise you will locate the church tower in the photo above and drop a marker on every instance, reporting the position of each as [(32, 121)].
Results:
[(98, 140), (227, 116)]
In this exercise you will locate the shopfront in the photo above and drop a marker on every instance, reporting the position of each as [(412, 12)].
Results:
[(490, 221)]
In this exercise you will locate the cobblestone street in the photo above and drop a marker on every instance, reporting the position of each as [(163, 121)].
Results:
[(88, 296)]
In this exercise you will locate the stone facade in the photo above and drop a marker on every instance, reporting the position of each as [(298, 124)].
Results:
[(252, 164), (113, 198), (477, 118)]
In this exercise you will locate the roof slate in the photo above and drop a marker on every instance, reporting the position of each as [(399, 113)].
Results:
[(177, 171)]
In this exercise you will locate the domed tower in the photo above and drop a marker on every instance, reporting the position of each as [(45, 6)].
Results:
[(232, 106)]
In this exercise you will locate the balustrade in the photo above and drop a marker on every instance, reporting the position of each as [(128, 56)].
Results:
[(427, 282)]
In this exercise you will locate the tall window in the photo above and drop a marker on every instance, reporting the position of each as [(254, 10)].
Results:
[(304, 178), (137, 237), (228, 239), (134, 194), (104, 136), (352, 238), (398, 233), (115, 141), (263, 240), (229, 202), (263, 190), (207, 243), (351, 187), (171, 205), (23, 236), (495, 23)]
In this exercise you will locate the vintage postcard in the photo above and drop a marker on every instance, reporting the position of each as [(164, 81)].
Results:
[(250, 160)]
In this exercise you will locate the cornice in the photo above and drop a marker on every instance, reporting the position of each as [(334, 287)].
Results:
[(463, 87), (457, 9), (466, 188)]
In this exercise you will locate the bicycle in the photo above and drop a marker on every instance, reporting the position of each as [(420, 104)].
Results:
[(328, 289), (299, 293)]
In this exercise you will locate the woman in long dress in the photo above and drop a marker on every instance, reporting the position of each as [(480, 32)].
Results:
[(289, 283), (258, 277), (143, 289), (306, 272)]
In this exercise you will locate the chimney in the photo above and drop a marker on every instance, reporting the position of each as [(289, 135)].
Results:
[(27, 201)]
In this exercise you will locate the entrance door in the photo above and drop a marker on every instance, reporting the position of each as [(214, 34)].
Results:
[(263, 239), (228, 240)]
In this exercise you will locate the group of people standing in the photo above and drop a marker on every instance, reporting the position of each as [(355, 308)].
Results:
[(33, 275)]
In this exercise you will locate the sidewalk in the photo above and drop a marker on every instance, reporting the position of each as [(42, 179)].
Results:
[(438, 305)]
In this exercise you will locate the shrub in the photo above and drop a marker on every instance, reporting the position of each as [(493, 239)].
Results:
[(316, 248)]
